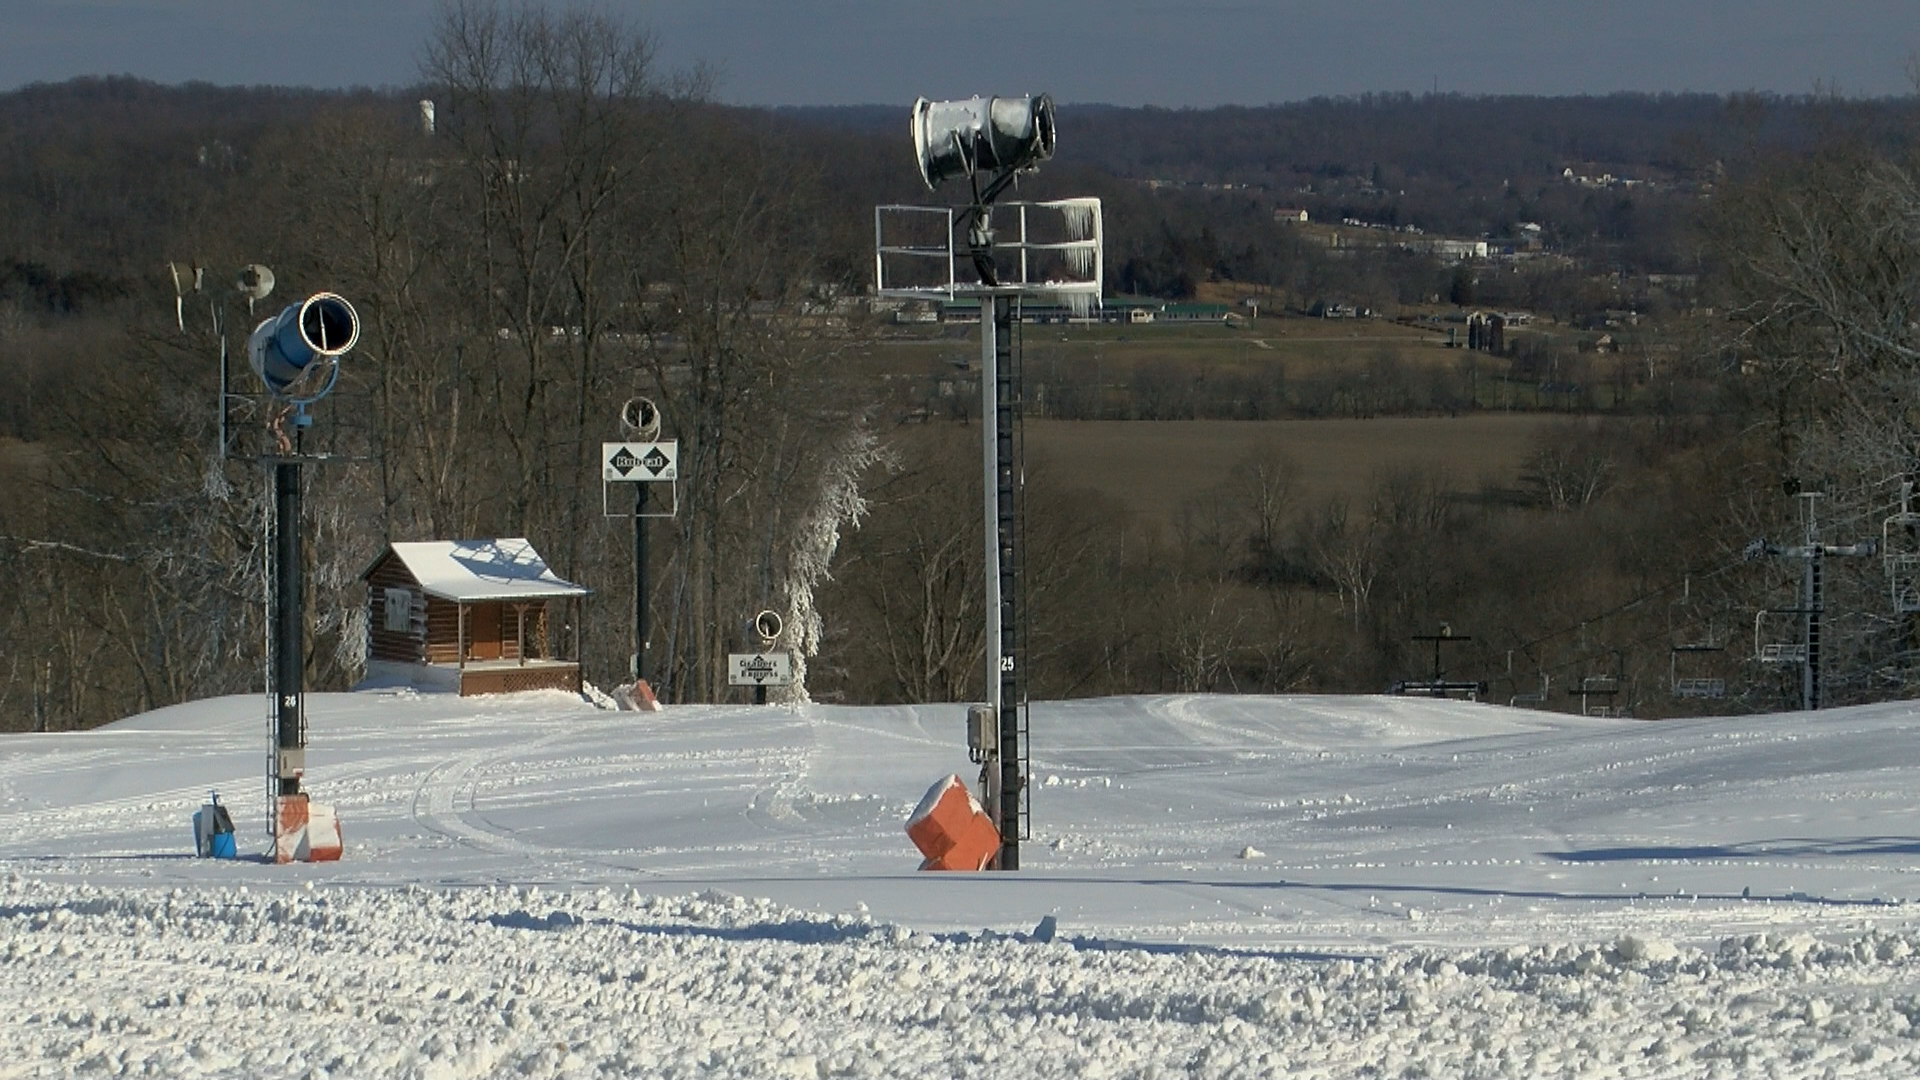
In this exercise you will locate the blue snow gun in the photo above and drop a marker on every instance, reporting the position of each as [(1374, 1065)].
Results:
[(297, 352)]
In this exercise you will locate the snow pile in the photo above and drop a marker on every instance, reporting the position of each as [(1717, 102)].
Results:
[(1217, 886), (530, 982)]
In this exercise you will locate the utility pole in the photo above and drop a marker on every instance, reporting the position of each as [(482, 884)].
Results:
[(646, 460)]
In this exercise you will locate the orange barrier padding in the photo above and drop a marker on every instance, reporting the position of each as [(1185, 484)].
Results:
[(290, 828), (635, 698), (951, 830), (323, 834), (643, 698), (305, 832), (962, 857)]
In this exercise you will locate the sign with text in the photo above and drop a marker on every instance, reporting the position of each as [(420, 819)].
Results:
[(654, 461), (759, 669)]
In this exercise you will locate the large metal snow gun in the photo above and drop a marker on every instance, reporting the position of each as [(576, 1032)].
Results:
[(297, 356), (297, 352), (983, 134)]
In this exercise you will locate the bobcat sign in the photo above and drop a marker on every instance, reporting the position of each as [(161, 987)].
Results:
[(640, 462)]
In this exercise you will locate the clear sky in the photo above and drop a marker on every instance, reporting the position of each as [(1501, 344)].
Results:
[(1126, 52)]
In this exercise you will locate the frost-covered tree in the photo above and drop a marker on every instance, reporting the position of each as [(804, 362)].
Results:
[(1824, 259)]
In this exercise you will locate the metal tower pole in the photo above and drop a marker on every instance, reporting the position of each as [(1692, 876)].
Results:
[(998, 795), (989, 448), (1000, 475), (289, 667), (1006, 536), (1811, 600), (1813, 555), (639, 582), (1810, 604)]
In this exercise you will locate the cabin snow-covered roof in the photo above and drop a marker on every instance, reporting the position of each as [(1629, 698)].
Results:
[(466, 571)]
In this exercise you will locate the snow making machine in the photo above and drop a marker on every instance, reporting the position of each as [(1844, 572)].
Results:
[(295, 354), (998, 255)]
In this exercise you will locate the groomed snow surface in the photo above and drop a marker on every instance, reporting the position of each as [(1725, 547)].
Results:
[(1216, 886)]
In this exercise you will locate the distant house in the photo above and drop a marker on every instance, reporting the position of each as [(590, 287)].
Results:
[(1289, 214), (1192, 313), (1453, 251), (468, 615), (1335, 309), (1130, 309)]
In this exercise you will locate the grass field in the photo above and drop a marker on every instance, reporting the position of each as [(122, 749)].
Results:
[(1305, 347), (22, 467), (21, 460), (1259, 369), (1299, 338), (1154, 466)]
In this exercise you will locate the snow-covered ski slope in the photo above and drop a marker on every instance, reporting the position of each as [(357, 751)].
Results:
[(1216, 886)]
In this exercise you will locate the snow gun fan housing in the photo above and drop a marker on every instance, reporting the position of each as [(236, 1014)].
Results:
[(992, 134), (296, 353)]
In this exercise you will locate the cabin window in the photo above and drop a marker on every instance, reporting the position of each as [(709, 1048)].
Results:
[(399, 610)]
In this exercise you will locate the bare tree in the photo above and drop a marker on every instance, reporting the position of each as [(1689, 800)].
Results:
[(393, 231), (910, 593), (548, 114), (1263, 485), (1344, 546), (1204, 634), (1570, 467)]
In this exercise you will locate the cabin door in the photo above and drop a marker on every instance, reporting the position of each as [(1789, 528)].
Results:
[(483, 632)]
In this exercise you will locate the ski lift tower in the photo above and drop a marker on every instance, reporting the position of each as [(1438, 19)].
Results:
[(1812, 554), (998, 254)]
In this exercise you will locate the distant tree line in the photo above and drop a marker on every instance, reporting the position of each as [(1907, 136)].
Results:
[(580, 227), (1191, 191), (583, 226)]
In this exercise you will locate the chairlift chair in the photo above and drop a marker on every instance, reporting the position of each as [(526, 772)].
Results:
[(1538, 698), (1767, 649), (1603, 687), (1900, 555), (1694, 686)]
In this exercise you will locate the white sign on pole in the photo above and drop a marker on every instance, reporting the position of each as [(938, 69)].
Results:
[(759, 669), (640, 461)]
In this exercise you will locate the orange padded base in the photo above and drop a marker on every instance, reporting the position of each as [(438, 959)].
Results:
[(951, 830)]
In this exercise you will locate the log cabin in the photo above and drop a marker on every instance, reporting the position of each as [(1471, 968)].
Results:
[(472, 616)]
